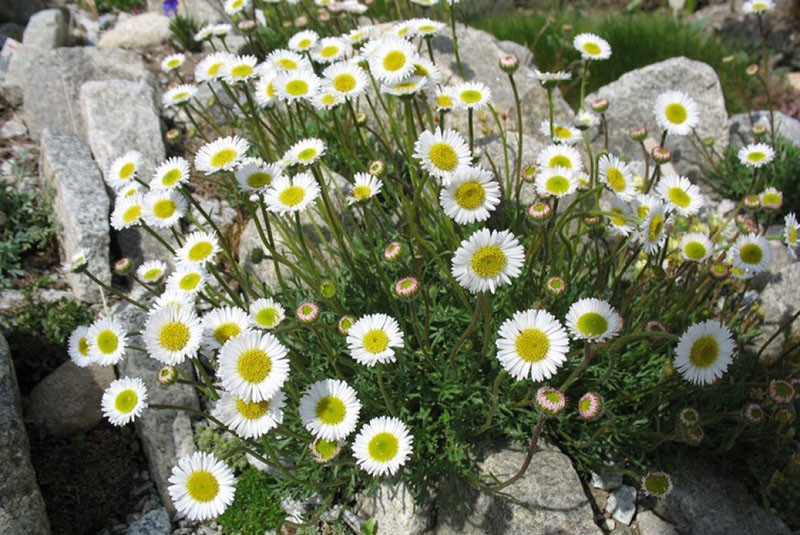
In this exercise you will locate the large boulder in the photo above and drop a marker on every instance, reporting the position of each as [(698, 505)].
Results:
[(632, 98), (67, 401), (786, 126), (779, 301), (53, 84), (81, 207), (137, 31), (22, 508), (549, 498)]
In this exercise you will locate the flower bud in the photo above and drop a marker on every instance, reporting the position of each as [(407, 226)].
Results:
[(600, 105), (509, 63), (123, 266), (167, 375), (661, 155), (638, 134)]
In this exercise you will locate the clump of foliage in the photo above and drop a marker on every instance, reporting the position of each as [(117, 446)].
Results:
[(256, 507), (183, 31), (106, 6)]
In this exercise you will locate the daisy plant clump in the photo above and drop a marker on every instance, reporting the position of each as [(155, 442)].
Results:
[(404, 301)]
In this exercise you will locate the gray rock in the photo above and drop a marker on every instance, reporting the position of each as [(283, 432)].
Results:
[(786, 127), (13, 128), (779, 301), (20, 11), (394, 510), (549, 498), (780, 259), (46, 30), (622, 504), (88, 28), (11, 299), (606, 481), (633, 96), (53, 84), (650, 524), (156, 522), (67, 401), (708, 502), (137, 31), (166, 435), (21, 505), (81, 207)]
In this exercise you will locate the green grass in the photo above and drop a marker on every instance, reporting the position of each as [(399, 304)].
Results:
[(637, 40)]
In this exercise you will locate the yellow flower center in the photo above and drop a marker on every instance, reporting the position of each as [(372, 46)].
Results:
[(164, 208), (679, 197), (383, 447), (592, 324), (202, 486), (259, 179), (756, 156), (470, 195), (189, 281), (562, 132), (557, 185), (214, 69), (306, 155), (325, 448), (292, 196), (329, 51), (83, 346), (616, 179), (676, 113), (443, 156), (171, 177), (180, 96), (771, 199), (792, 235), (254, 365), (127, 170), (362, 192), (252, 410), (488, 261), (704, 352), (694, 250), (126, 401), (394, 61), (107, 341), (532, 345), (656, 226), (152, 274), (617, 219), (174, 336), (242, 71), (331, 410), (444, 101), (297, 88), (226, 331), (287, 64), (223, 158), (593, 49), (344, 82), (267, 317), (304, 43), (751, 253), (132, 214), (174, 62), (200, 251), (376, 341), (559, 160), (471, 96)]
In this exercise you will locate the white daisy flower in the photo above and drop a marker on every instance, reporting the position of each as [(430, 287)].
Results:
[(198, 248), (170, 173), (586, 119), (593, 320), (222, 154), (128, 190), (253, 366), (171, 334), (471, 195), (404, 29), (409, 86), (550, 79), (201, 486), (652, 231), (234, 7), (238, 69), (330, 50), (620, 223), (210, 67), (676, 113), (78, 347), (488, 259), (128, 211), (346, 78), (254, 174), (442, 153), (425, 69), (562, 132), (383, 446), (106, 339), (172, 62), (372, 339), (443, 98), (327, 98), (642, 204), (164, 208), (305, 152), (296, 85), (617, 176), (704, 352), (330, 409), (680, 194), (365, 187), (303, 41), (151, 272), (472, 95), (250, 419), (173, 298), (286, 60), (123, 170), (180, 94), (220, 30), (696, 247), (758, 7), (771, 198), (356, 36), (124, 400), (756, 154), (392, 60), (189, 279), (560, 156), (294, 194), (556, 182), (426, 27), (223, 323), (790, 230), (266, 313), (532, 344), (592, 46), (752, 253), (266, 95)]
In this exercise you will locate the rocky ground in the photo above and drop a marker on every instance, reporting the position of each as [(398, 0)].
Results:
[(62, 125)]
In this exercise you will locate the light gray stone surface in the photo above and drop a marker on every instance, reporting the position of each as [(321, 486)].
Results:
[(394, 510), (166, 435), (785, 126), (67, 401), (53, 84), (632, 98), (137, 31), (81, 207), (45, 31), (650, 524), (13, 128), (548, 499), (780, 300), (622, 504), (707, 502), (156, 522), (22, 508), (606, 481)]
